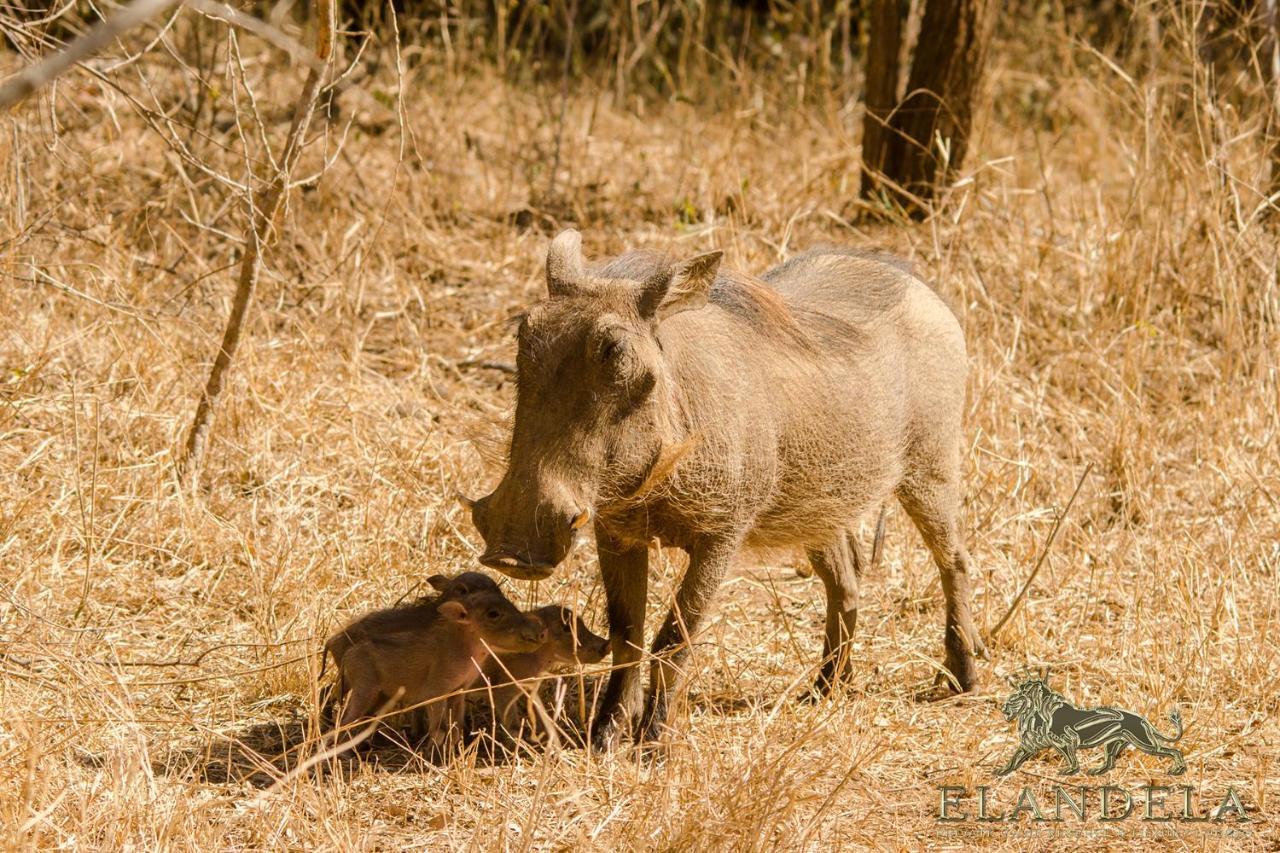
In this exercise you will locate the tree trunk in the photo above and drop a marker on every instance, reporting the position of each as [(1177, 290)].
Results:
[(884, 41), (928, 132)]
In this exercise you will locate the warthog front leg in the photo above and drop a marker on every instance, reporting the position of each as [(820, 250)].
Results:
[(707, 564), (838, 566), (625, 572)]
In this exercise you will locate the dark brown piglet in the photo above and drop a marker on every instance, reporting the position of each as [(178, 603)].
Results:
[(439, 656), (569, 642)]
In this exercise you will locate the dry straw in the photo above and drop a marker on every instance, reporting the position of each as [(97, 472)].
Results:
[(1107, 248)]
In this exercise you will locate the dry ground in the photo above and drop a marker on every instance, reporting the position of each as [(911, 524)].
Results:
[(1121, 301)]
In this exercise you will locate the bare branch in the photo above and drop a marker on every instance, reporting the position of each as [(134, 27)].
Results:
[(262, 219), (260, 28), (46, 70)]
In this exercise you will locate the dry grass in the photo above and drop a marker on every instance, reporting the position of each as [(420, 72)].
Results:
[(1122, 306)]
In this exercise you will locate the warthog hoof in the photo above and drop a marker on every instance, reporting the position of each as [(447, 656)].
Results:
[(959, 676), (607, 734), (814, 693), (652, 733), (655, 719), (826, 683)]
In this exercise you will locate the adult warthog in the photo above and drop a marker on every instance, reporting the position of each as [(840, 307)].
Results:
[(714, 411)]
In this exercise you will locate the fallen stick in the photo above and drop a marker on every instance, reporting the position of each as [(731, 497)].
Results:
[(1044, 552)]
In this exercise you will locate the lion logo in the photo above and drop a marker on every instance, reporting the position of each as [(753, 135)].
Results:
[(1046, 720)]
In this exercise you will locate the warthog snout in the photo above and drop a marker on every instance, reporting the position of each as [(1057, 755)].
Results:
[(593, 650), (526, 545), (534, 631)]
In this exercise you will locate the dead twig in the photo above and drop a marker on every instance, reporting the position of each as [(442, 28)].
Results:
[(259, 232), (572, 12), (1044, 552)]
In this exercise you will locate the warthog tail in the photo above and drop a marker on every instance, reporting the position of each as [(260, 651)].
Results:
[(805, 570), (1176, 719), (877, 544)]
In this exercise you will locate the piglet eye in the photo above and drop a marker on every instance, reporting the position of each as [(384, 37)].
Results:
[(493, 615)]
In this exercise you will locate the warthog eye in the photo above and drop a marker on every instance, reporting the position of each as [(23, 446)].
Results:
[(493, 615), (620, 363)]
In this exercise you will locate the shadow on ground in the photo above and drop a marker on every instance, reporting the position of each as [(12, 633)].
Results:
[(263, 753)]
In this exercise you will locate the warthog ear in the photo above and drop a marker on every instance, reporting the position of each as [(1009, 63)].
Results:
[(454, 611), (685, 287), (565, 267), (438, 582)]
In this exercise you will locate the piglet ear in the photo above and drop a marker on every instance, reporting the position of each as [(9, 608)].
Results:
[(454, 611), (438, 582), (566, 270), (684, 287)]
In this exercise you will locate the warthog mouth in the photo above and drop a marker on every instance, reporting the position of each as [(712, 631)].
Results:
[(516, 567)]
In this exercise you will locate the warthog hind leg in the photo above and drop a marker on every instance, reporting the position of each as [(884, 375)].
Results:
[(838, 566), (365, 695), (933, 501)]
